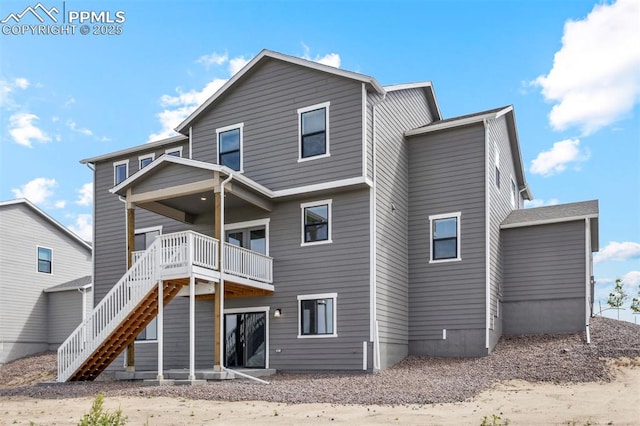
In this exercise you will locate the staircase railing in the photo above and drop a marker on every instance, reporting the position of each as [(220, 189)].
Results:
[(134, 285)]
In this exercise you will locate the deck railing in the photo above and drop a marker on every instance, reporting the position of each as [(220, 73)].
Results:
[(247, 264)]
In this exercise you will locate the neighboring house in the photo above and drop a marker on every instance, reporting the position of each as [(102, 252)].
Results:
[(358, 227), (37, 256)]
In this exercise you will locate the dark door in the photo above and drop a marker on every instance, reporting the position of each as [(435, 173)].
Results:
[(245, 342)]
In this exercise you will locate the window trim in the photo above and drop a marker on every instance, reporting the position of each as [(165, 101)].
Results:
[(304, 206), (240, 127), (435, 217), (251, 224), (301, 111), (141, 158), (515, 202), (38, 260), (302, 297), (168, 151), (126, 171), (496, 161)]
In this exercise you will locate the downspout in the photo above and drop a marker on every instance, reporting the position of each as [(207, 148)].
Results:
[(587, 278), (487, 232), (190, 143), (92, 167)]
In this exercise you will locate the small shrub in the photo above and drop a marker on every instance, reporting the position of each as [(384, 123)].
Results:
[(495, 420), (98, 417)]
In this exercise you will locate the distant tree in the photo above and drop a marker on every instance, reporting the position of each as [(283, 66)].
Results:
[(617, 297), (635, 302)]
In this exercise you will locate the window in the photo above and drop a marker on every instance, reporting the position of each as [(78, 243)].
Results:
[(445, 237), (230, 146), (317, 315), (174, 152), (316, 222), (44, 260), (253, 235), (145, 160), (313, 124), (514, 195), (120, 171), (497, 164), (150, 332)]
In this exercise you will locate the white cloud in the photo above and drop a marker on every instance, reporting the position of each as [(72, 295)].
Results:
[(83, 130), (213, 58), (23, 130), (60, 204), (85, 194), (7, 88), (555, 160), (616, 251), (331, 59), (236, 64), (83, 227), (70, 101), (540, 202), (631, 279), (21, 82), (38, 190), (594, 80)]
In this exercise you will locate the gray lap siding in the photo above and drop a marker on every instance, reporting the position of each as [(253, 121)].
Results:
[(447, 175)]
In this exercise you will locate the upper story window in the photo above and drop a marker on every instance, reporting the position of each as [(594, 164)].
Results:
[(145, 160), (445, 237), (175, 152), (514, 195), (313, 125), (317, 315), (44, 260), (120, 171), (316, 222), (230, 146), (497, 164)]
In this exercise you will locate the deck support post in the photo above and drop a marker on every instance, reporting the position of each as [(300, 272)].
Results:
[(192, 328), (217, 315), (131, 235), (160, 323)]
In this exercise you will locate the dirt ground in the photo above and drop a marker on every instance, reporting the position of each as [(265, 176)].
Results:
[(515, 401)]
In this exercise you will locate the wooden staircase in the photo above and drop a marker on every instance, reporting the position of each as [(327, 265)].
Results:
[(125, 334)]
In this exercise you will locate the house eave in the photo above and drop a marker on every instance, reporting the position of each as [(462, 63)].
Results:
[(427, 86), (138, 148), (464, 121)]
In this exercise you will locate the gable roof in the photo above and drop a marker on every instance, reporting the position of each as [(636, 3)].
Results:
[(77, 284), (556, 214), (52, 221), (427, 86), (144, 147), (266, 55), (479, 117)]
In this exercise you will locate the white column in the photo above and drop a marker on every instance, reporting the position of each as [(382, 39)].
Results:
[(192, 328), (160, 325)]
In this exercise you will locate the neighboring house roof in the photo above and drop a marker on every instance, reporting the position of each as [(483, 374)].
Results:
[(479, 117), (49, 219), (77, 284), (268, 54), (133, 149), (557, 214)]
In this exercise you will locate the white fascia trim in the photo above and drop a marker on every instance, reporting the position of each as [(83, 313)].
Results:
[(433, 217), (303, 206), (178, 149), (548, 221), (134, 149), (327, 152), (456, 123), (320, 186), (405, 86), (51, 220), (239, 126), (152, 156), (333, 296)]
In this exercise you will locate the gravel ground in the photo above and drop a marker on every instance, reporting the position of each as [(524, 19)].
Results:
[(415, 380)]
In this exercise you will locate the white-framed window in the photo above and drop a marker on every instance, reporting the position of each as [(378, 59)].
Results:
[(253, 235), (514, 194), (316, 222), (45, 260), (120, 171), (175, 152), (313, 132), (317, 315), (230, 146), (143, 239), (497, 163), (444, 237), (145, 160)]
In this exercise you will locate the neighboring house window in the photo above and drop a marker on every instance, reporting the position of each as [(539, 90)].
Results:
[(44, 260), (316, 222), (145, 160), (514, 195), (230, 146), (174, 152), (120, 171), (497, 164), (445, 237), (317, 315), (313, 124)]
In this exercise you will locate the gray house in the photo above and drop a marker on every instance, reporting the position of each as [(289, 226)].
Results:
[(308, 218), (39, 308)]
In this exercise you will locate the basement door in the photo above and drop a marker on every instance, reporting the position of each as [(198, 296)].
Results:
[(245, 339)]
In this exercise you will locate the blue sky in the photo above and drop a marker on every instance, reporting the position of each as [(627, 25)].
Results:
[(570, 68)]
